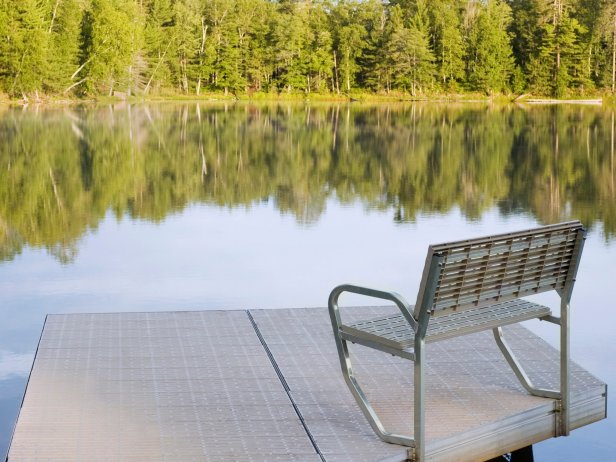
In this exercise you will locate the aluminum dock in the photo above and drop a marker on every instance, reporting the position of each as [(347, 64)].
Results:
[(265, 385)]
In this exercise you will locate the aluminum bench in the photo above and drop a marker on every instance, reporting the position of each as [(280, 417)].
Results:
[(469, 286)]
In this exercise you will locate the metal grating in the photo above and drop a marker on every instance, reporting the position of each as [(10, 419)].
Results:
[(199, 386), (187, 386), (484, 271), (471, 391), (394, 330)]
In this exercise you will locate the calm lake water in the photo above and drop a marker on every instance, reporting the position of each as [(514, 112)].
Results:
[(175, 207)]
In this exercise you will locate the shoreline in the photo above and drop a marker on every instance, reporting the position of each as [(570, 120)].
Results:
[(361, 98), (546, 101)]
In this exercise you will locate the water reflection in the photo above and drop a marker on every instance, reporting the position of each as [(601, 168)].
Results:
[(62, 170)]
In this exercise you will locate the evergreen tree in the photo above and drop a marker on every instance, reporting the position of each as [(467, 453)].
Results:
[(64, 47), (410, 57), (91, 47), (187, 22), (349, 35), (159, 37), (559, 63), (448, 42), (257, 62), (422, 57), (111, 41), (372, 60), (290, 39), (490, 60), (8, 51), (526, 31), (607, 33), (570, 62), (320, 62), (231, 29), (23, 46), (588, 13)]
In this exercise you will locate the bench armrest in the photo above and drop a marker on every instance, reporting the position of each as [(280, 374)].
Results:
[(400, 302)]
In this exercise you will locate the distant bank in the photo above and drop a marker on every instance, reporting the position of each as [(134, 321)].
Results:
[(363, 97)]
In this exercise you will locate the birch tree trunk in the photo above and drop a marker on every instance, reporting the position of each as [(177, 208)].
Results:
[(614, 56), (53, 16)]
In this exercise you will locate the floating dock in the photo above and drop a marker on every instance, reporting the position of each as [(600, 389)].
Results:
[(265, 385)]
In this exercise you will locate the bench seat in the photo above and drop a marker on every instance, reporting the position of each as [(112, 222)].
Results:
[(394, 331), (468, 286)]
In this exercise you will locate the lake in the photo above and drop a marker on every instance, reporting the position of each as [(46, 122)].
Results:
[(233, 206)]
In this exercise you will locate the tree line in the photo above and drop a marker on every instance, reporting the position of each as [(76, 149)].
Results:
[(418, 47), (63, 172)]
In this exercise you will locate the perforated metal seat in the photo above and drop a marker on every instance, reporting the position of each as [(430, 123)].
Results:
[(394, 331), (469, 286)]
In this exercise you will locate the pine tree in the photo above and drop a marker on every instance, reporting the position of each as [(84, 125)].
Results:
[(349, 36), (159, 39), (589, 15), (8, 52), (320, 61), (558, 63), (490, 60), (526, 29), (555, 47), (290, 40), (231, 31), (23, 46), (422, 57), (410, 57), (257, 62), (110, 44), (372, 61), (64, 47), (570, 72), (187, 33), (448, 42), (607, 32)]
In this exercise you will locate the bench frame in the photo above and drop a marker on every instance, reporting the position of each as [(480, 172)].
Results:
[(418, 318)]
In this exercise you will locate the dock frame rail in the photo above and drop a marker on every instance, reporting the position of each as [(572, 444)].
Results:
[(469, 286)]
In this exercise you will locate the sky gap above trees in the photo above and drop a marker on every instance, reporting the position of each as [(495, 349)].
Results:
[(85, 48)]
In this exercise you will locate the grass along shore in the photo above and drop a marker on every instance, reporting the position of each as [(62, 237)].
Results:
[(359, 97)]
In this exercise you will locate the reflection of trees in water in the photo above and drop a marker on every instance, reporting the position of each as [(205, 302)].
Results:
[(62, 171), (561, 166)]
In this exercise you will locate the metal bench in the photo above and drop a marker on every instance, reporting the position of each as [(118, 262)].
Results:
[(469, 286)]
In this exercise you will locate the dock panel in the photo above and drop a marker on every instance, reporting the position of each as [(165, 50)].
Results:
[(265, 385)]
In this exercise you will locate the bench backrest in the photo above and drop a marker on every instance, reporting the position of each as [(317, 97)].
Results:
[(479, 272)]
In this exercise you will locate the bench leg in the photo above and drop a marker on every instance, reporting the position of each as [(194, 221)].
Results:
[(356, 390), (518, 370), (419, 402), (564, 369), (365, 406), (563, 395)]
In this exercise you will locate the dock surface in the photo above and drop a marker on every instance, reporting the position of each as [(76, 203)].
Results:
[(265, 385)]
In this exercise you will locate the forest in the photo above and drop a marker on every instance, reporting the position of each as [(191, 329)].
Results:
[(416, 48), (63, 171)]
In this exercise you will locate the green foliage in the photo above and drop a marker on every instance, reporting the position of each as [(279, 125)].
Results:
[(187, 32), (23, 48), (113, 39), (490, 59), (186, 47), (349, 35), (64, 45), (449, 47), (159, 37), (605, 70), (291, 37), (409, 55)]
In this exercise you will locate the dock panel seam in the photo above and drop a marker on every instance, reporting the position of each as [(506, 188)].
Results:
[(285, 385)]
